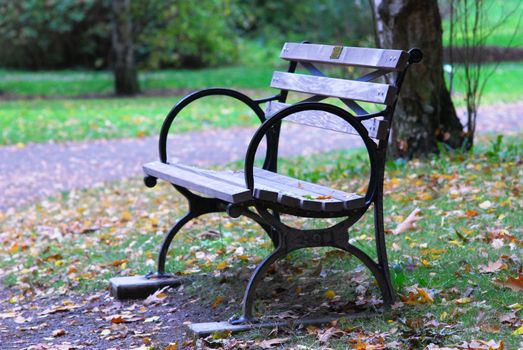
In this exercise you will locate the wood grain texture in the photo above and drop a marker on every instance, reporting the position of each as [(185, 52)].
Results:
[(376, 128), (348, 89), (392, 60), (350, 200), (198, 182), (269, 186)]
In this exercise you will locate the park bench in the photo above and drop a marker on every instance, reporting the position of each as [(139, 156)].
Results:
[(271, 194)]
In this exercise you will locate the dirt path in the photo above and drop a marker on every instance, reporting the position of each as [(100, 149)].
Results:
[(41, 170)]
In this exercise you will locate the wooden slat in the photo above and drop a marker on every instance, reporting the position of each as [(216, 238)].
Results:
[(282, 189), (348, 89), (198, 182), (351, 200), (377, 128), (236, 178), (273, 190), (351, 56)]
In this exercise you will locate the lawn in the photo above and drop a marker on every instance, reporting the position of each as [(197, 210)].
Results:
[(448, 270), (505, 16), (84, 119), (74, 83), (42, 120)]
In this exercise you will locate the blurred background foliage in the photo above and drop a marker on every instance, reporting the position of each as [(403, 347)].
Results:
[(55, 34)]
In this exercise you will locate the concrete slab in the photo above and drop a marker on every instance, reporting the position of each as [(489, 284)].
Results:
[(206, 328), (140, 287)]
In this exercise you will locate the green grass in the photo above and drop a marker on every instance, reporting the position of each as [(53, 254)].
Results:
[(503, 86), (26, 121), (497, 14), (73, 83), (77, 240), (39, 120)]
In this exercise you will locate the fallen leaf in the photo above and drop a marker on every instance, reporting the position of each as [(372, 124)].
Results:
[(492, 267), (117, 263), (516, 284), (156, 297), (59, 332), (324, 335), (217, 302), (222, 265), (471, 213), (272, 343), (324, 197), (462, 301), (409, 223), (485, 204), (330, 294), (171, 346), (420, 296), (519, 331)]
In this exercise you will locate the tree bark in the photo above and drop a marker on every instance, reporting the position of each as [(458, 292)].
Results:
[(425, 114), (124, 70)]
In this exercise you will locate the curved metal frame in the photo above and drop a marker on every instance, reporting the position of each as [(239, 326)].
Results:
[(318, 106), (254, 105)]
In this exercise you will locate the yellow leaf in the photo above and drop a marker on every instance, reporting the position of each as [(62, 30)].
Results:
[(462, 301), (126, 216), (425, 263), (330, 294), (171, 346), (217, 302), (119, 262), (222, 265), (14, 248), (425, 196), (519, 331)]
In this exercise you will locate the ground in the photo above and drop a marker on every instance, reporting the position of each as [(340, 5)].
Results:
[(74, 213)]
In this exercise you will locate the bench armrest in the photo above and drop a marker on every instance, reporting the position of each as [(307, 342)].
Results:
[(317, 106), (254, 105)]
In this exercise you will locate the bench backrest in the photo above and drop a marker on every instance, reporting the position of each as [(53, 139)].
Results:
[(348, 91)]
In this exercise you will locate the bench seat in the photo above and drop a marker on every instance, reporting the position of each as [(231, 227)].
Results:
[(230, 186)]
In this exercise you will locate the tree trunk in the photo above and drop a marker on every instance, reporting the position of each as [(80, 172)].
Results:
[(125, 74), (425, 114)]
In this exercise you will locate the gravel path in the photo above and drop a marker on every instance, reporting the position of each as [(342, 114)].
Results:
[(40, 170)]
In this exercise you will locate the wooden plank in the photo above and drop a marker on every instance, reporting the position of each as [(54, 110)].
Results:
[(236, 178), (275, 191), (349, 89), (376, 128), (350, 200), (352, 56), (198, 182)]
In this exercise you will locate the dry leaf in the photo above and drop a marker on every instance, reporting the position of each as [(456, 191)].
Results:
[(324, 335), (171, 346), (330, 294), (59, 332), (516, 284), (156, 297), (272, 343), (222, 265), (419, 297), (492, 267), (217, 302), (409, 223)]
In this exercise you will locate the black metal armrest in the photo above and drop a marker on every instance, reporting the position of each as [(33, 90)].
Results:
[(307, 106), (254, 105)]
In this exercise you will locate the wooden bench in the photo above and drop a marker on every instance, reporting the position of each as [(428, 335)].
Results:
[(262, 194)]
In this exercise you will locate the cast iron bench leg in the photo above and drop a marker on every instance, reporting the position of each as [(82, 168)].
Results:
[(197, 206)]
